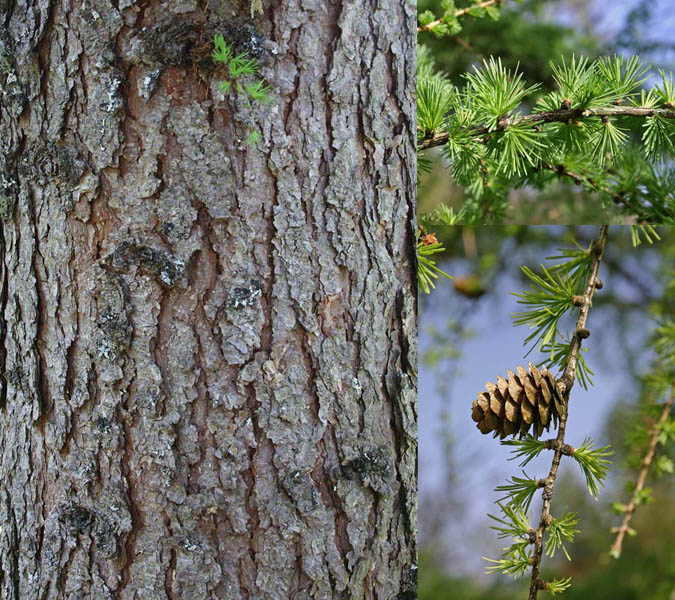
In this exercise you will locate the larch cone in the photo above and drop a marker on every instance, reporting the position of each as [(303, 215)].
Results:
[(520, 402)]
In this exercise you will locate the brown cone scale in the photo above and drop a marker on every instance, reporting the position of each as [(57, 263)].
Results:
[(523, 401)]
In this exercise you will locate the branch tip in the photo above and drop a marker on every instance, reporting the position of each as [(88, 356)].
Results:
[(624, 528)]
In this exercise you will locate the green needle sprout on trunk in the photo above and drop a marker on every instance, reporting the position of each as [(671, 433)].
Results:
[(239, 67)]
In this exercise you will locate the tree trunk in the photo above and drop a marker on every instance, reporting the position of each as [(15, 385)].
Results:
[(209, 343)]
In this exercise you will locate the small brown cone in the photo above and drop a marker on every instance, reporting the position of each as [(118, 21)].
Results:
[(528, 400)]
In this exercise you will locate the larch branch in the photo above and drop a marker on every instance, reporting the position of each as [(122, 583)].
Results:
[(564, 115), (458, 13), (579, 179), (642, 476), (565, 384)]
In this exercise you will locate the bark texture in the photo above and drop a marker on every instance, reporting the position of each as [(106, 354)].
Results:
[(209, 346)]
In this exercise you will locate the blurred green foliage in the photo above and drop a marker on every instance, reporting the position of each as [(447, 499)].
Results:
[(523, 37)]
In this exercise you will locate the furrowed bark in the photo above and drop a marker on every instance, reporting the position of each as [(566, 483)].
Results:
[(209, 346)]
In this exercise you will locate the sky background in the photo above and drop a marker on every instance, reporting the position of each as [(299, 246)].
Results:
[(606, 19)]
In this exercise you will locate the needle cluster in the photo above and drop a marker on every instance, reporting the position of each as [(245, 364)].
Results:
[(427, 270), (599, 128), (240, 71)]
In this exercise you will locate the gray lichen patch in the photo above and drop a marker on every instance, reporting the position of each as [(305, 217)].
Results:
[(116, 333), (147, 82), (148, 401), (49, 163), (78, 519), (8, 189), (6, 206), (37, 163), (114, 328), (111, 296), (302, 490), (70, 165), (15, 377), (177, 216), (168, 271), (372, 467), (241, 319), (12, 92), (105, 536), (12, 95), (112, 100), (241, 297), (106, 348), (6, 53)]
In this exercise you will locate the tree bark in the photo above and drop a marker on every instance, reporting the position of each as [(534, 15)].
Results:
[(209, 344)]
